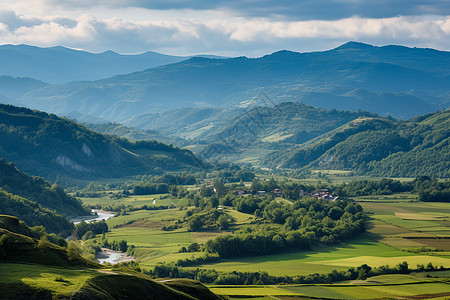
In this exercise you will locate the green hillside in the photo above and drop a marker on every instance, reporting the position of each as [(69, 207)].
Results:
[(133, 134), (46, 145), (32, 269), (378, 147), (36, 201)]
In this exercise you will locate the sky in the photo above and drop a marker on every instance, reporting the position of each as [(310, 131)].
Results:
[(230, 27)]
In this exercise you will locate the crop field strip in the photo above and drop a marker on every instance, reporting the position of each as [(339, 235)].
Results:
[(339, 291), (409, 225)]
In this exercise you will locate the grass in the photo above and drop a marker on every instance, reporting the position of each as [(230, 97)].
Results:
[(258, 290), (136, 200), (318, 261), (142, 229), (385, 286), (45, 277), (348, 291)]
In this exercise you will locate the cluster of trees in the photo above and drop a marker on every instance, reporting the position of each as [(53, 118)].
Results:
[(372, 187), (150, 189), (428, 189), (85, 230), (263, 278), (431, 190), (207, 219), (298, 226)]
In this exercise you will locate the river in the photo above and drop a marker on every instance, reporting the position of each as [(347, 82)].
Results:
[(101, 215), (113, 257)]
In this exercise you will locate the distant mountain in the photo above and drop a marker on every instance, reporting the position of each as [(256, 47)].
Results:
[(133, 134), (46, 145), (377, 147), (36, 201), (186, 122), (60, 64), (12, 88), (399, 81)]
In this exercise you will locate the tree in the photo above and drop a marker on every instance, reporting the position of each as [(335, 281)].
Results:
[(73, 250), (363, 271), (223, 222), (195, 223)]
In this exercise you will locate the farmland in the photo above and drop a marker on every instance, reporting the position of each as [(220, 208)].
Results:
[(400, 229), (384, 286)]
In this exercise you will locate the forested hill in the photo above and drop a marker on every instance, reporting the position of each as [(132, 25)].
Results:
[(378, 147), (36, 201), (133, 134), (46, 145)]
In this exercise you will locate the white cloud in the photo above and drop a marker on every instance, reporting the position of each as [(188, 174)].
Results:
[(225, 36)]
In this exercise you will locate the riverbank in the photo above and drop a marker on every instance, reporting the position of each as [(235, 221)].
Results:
[(113, 257), (97, 215)]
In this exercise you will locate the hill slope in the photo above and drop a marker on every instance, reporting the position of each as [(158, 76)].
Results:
[(133, 134), (36, 201), (379, 147), (353, 76), (49, 146), (32, 269)]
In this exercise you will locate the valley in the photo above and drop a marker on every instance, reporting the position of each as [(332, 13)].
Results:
[(288, 176)]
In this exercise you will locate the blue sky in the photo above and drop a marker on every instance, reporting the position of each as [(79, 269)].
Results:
[(232, 28)]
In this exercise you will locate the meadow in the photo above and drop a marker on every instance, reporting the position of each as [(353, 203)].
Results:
[(60, 281), (377, 287)]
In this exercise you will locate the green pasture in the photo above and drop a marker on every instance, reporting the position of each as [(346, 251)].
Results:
[(252, 155), (142, 229), (378, 287), (46, 277), (323, 260), (135, 200)]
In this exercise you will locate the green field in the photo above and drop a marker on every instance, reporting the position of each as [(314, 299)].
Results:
[(409, 225), (384, 286), (153, 244), (327, 259), (135, 200), (39, 276)]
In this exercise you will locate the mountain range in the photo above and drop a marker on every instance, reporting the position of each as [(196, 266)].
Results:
[(390, 80), (60, 65)]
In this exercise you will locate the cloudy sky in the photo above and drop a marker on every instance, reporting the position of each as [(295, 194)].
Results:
[(230, 27)]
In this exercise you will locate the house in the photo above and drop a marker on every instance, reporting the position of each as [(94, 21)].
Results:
[(261, 193), (277, 192), (323, 194)]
